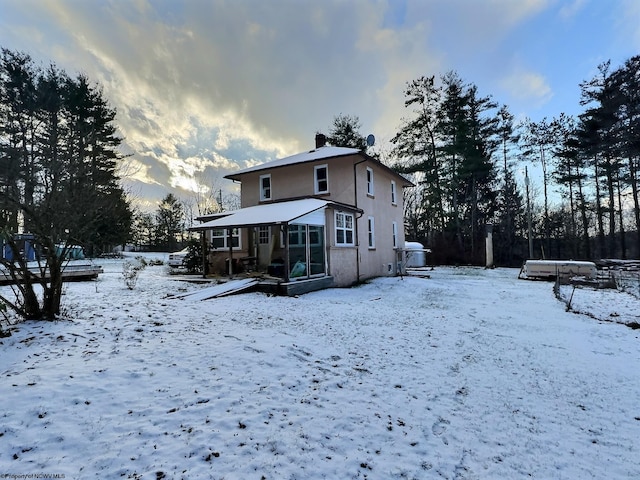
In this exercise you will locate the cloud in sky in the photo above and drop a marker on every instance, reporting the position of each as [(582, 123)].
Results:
[(527, 86), (628, 24), (206, 87), (571, 8)]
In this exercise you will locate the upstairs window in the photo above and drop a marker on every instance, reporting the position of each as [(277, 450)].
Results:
[(321, 179), (265, 187), (393, 192), (344, 229), (370, 181)]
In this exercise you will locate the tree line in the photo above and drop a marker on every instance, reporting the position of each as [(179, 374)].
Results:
[(58, 182), (166, 228), (463, 151), (163, 230), (598, 161)]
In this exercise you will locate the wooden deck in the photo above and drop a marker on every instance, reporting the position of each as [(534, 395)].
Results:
[(291, 289), (266, 284)]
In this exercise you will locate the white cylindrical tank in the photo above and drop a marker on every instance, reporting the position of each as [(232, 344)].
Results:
[(416, 255)]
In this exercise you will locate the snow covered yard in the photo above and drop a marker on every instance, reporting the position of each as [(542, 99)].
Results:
[(607, 305), (471, 374)]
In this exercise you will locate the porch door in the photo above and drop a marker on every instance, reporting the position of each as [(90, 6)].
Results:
[(298, 251), (317, 251), (265, 245), (306, 251)]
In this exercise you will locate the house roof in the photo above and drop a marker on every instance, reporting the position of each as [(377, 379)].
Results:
[(268, 214), (319, 153), (310, 156)]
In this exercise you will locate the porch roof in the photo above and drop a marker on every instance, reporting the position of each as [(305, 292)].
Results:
[(268, 214)]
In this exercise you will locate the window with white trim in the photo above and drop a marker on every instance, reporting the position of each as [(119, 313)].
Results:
[(393, 192), (371, 232), (344, 228), (394, 229), (265, 187), (263, 235), (321, 179), (220, 239), (369, 181)]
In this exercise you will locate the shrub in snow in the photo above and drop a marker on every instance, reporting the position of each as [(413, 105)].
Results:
[(3, 309), (193, 260), (131, 269)]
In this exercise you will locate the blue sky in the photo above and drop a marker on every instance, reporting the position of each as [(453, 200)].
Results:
[(204, 87)]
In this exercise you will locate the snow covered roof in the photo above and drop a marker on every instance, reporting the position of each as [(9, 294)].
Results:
[(212, 216), (310, 156), (269, 214)]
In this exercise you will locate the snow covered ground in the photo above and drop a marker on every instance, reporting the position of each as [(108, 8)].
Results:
[(470, 374)]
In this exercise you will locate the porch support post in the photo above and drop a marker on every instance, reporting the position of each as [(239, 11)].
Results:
[(203, 245), (287, 266), (307, 252), (230, 242)]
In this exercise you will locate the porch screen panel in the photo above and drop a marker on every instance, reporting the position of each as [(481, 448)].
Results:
[(316, 250), (298, 251)]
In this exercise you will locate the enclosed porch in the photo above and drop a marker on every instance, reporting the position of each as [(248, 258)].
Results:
[(283, 245)]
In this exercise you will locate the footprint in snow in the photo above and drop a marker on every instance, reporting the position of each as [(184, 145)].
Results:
[(440, 426)]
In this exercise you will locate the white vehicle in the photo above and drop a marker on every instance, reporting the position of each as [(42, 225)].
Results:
[(176, 259)]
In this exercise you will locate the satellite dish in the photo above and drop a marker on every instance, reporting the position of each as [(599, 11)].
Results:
[(371, 140)]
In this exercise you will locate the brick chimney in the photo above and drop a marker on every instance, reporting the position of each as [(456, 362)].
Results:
[(321, 140)]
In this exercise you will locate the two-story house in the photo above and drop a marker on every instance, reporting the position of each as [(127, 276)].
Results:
[(332, 216)]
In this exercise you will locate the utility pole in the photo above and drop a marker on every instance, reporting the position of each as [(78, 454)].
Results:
[(526, 182)]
